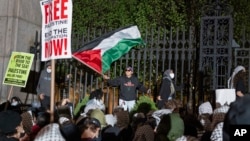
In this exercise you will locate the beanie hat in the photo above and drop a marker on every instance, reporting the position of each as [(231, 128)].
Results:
[(205, 108), (9, 120), (99, 115)]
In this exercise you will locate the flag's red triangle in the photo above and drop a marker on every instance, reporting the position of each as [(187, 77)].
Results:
[(91, 58)]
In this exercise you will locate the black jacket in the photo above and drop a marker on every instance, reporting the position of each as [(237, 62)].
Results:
[(165, 91)]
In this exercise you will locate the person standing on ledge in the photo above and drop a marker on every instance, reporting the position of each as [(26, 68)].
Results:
[(167, 89), (128, 84), (44, 86)]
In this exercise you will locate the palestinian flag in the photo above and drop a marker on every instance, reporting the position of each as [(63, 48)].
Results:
[(101, 52)]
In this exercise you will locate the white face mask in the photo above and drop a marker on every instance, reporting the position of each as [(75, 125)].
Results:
[(202, 122), (15, 103), (171, 75), (49, 70)]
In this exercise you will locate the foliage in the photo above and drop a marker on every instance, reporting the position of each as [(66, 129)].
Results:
[(241, 17), (144, 104), (150, 14), (106, 14)]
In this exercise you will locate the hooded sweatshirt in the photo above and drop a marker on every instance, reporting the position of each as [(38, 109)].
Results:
[(44, 83), (128, 87), (167, 87)]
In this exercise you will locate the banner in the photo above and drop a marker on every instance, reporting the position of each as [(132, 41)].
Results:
[(56, 29), (18, 69), (225, 96)]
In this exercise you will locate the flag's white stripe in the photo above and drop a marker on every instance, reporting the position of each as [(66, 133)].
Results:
[(128, 33)]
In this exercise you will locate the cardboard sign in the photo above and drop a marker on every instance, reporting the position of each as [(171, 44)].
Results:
[(225, 96), (18, 69), (56, 29)]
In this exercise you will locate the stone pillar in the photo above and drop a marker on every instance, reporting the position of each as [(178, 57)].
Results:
[(19, 21)]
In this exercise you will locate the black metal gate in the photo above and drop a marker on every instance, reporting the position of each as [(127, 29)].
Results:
[(198, 73), (165, 49), (216, 44)]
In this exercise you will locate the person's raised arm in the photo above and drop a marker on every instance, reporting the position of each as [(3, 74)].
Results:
[(112, 82)]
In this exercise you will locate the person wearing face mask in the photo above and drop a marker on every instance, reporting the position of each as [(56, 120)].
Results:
[(44, 86), (167, 89), (15, 104)]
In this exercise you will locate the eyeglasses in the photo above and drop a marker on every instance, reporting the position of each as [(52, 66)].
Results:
[(128, 70)]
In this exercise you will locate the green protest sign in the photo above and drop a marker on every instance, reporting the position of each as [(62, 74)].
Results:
[(18, 69)]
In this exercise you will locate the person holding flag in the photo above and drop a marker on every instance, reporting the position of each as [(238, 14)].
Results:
[(101, 52), (128, 85)]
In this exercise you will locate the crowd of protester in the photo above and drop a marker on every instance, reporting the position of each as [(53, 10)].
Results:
[(170, 123)]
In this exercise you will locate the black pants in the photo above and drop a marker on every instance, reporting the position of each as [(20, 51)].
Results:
[(45, 103), (160, 104)]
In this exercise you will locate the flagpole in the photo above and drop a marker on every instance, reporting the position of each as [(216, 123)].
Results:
[(8, 100), (52, 96)]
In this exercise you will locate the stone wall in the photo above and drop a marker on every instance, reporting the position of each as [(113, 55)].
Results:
[(19, 21)]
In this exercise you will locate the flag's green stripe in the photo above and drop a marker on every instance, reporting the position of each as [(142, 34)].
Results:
[(117, 51), (108, 43), (94, 43)]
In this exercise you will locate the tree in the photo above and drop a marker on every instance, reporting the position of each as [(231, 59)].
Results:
[(106, 14)]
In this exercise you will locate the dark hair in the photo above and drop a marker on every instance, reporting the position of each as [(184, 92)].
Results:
[(88, 122), (70, 131), (16, 99), (43, 118), (240, 76), (96, 94)]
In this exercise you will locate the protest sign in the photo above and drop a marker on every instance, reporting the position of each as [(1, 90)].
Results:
[(18, 69), (56, 29)]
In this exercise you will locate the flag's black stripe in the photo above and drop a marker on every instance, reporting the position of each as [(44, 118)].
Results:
[(90, 45)]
